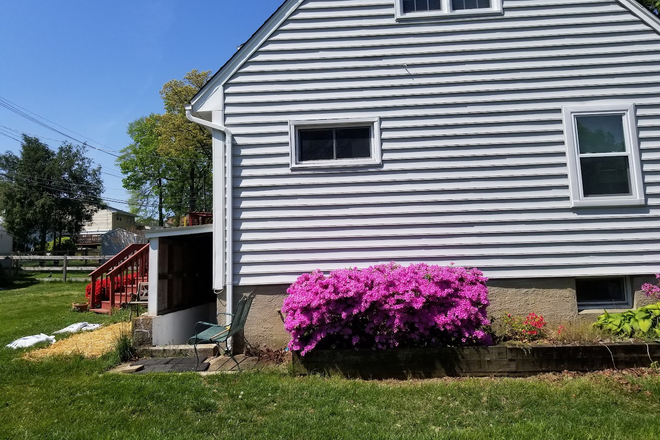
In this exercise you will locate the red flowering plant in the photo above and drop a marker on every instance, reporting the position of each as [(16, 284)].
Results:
[(102, 287), (516, 328), (387, 306)]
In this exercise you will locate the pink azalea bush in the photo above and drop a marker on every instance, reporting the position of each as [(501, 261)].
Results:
[(652, 289), (386, 306)]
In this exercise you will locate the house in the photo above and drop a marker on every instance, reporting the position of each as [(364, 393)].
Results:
[(521, 137), (103, 221), (6, 240), (107, 219)]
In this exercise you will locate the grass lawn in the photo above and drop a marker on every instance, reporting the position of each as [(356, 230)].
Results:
[(73, 398)]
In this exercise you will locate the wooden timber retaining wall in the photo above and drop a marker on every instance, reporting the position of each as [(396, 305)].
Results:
[(475, 361)]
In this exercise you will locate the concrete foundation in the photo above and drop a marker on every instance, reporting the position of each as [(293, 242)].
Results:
[(177, 327), (553, 298), (265, 324)]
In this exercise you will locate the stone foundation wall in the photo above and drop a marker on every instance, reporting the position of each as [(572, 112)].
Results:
[(143, 331), (553, 298)]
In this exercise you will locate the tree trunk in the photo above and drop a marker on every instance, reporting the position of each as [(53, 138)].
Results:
[(160, 202), (42, 241), (192, 205)]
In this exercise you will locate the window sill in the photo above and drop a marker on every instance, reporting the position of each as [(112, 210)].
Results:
[(607, 203), (324, 164), (598, 310)]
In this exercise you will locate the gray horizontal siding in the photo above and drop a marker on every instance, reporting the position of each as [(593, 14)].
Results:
[(474, 163)]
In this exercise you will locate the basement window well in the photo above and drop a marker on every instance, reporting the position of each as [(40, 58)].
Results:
[(608, 292)]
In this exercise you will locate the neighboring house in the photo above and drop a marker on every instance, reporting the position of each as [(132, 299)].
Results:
[(6, 241), (107, 219), (521, 137)]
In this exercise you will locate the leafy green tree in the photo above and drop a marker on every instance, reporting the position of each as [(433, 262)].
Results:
[(653, 5), (186, 141), (168, 165), (45, 192), (178, 134), (146, 169)]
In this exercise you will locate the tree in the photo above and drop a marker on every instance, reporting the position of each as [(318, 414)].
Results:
[(168, 165), (653, 5), (43, 192), (178, 134), (185, 140), (145, 168)]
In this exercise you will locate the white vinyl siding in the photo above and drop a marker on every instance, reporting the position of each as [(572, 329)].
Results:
[(474, 165)]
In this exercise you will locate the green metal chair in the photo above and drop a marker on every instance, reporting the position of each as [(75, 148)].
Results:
[(218, 334)]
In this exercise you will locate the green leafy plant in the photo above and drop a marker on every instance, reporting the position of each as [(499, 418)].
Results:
[(643, 322), (124, 348), (66, 245)]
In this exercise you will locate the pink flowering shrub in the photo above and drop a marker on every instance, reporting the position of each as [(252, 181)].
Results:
[(386, 306), (652, 289)]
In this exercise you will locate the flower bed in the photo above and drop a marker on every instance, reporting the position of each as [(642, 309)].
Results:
[(391, 321), (387, 306), (404, 363)]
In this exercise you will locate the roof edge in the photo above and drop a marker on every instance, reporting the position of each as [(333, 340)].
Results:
[(284, 12), (241, 56), (644, 14)]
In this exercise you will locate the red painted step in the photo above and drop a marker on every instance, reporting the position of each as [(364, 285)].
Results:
[(119, 300)]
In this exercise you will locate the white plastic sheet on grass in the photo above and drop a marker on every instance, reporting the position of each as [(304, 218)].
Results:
[(29, 341)]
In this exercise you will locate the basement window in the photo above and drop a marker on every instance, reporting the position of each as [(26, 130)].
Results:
[(434, 9), (611, 292), (335, 143)]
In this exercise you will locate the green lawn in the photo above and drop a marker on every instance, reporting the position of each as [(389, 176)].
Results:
[(73, 398)]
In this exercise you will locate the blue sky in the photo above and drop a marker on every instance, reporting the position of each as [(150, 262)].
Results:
[(94, 66)]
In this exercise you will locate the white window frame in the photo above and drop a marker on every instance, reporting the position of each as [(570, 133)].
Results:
[(627, 293), (374, 159), (446, 11), (627, 111)]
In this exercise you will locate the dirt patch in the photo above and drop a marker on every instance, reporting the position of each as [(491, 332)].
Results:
[(88, 344)]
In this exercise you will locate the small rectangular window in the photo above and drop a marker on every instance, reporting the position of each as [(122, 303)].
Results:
[(611, 292), (434, 9), (420, 5), (603, 156), (335, 143), (469, 4)]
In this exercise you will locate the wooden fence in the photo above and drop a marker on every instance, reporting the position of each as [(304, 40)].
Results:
[(58, 263)]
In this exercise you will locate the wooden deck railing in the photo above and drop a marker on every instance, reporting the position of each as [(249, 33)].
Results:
[(126, 269)]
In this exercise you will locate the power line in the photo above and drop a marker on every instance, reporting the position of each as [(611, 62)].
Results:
[(9, 135), (19, 132), (84, 198), (113, 175), (15, 108)]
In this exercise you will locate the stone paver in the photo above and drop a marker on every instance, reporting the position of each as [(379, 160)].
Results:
[(183, 364), (166, 365)]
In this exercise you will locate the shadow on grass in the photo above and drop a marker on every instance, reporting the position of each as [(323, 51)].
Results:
[(20, 282), (24, 280)]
